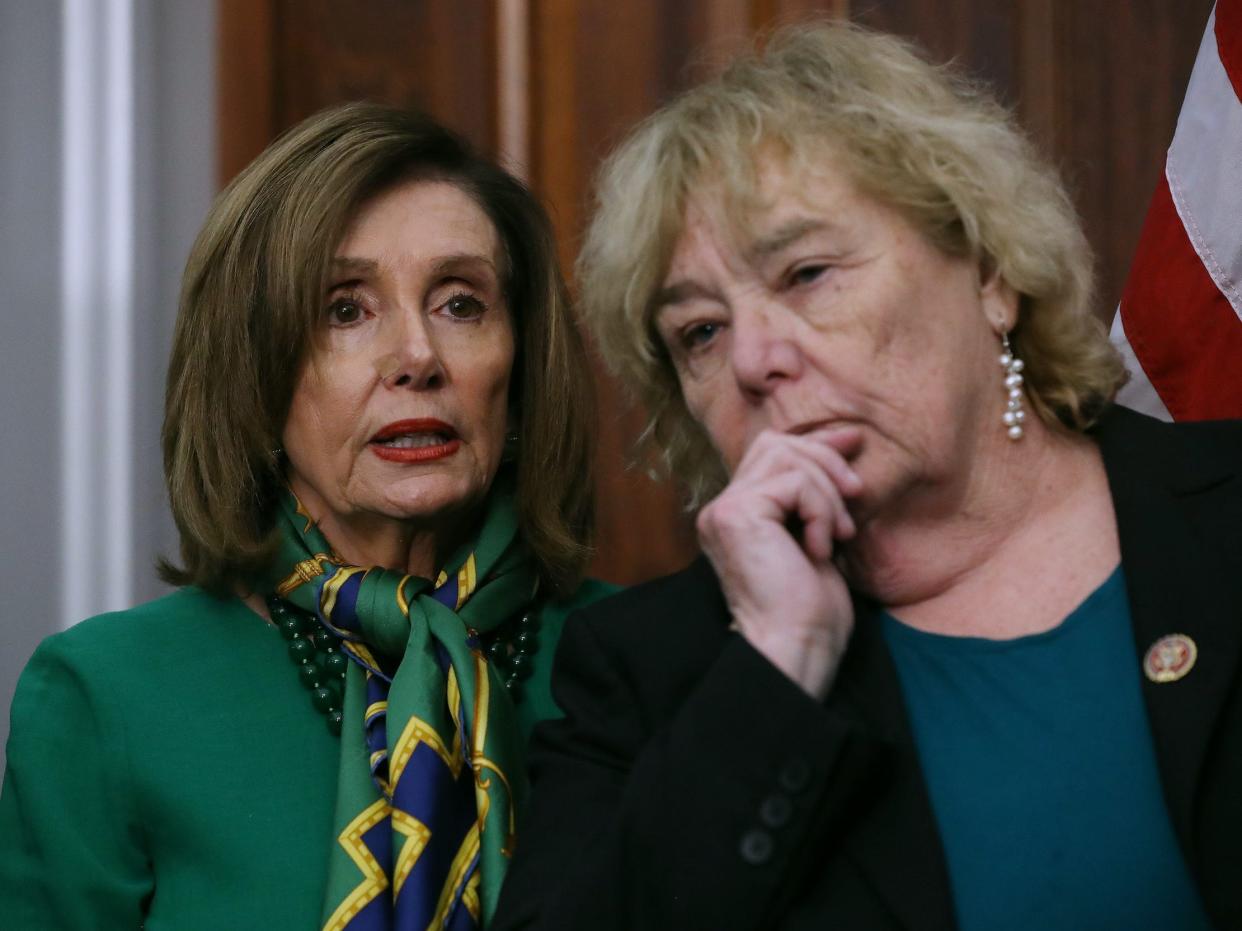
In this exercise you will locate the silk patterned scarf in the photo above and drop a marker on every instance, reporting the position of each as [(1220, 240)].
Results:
[(432, 766)]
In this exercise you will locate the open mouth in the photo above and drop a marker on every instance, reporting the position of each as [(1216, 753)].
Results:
[(415, 440)]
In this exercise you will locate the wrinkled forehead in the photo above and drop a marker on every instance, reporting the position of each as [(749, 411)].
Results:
[(757, 201), (448, 214)]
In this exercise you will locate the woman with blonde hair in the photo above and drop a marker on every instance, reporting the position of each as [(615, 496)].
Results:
[(963, 649), (375, 438)]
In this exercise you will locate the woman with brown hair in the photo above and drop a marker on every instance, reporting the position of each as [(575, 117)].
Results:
[(375, 441)]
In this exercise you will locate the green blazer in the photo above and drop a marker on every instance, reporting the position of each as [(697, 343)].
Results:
[(166, 770)]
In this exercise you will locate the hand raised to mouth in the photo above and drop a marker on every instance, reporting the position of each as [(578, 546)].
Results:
[(771, 536)]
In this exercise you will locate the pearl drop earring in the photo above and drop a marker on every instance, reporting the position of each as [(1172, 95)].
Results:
[(1014, 414)]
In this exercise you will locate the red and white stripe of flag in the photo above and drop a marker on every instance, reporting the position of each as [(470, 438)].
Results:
[(1180, 320)]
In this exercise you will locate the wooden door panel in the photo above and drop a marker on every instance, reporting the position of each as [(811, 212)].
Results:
[(1097, 84)]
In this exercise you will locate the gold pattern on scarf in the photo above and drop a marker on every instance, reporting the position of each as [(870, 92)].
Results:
[(416, 732), (416, 835), (466, 854), (466, 581), (374, 881), (302, 512), (303, 572), (402, 602), (332, 588)]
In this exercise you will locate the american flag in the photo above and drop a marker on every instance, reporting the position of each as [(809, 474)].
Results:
[(1180, 320)]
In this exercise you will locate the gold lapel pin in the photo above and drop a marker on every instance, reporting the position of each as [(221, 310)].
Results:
[(1170, 658)]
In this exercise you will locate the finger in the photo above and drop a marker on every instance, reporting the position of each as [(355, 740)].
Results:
[(812, 459), (808, 461), (846, 438), (824, 514), (769, 453), (803, 492), (833, 448), (746, 514), (751, 497), (818, 513)]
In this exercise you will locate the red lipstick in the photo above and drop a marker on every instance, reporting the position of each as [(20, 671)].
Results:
[(422, 439)]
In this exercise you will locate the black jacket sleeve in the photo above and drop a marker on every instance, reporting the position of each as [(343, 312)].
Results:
[(684, 787)]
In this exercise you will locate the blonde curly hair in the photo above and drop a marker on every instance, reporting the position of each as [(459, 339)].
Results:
[(922, 138)]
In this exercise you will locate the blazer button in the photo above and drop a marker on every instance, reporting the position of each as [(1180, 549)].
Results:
[(775, 811), (795, 776), (756, 847)]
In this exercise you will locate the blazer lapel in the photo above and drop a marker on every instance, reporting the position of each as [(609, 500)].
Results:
[(897, 845), (1178, 502)]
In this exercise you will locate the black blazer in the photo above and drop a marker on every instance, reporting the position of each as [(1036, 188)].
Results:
[(692, 786)]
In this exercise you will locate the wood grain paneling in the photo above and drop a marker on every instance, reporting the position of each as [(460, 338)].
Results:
[(599, 67), (978, 33), (282, 60), (440, 57), (1097, 84), (1034, 73), (245, 85), (513, 88), (1121, 71)]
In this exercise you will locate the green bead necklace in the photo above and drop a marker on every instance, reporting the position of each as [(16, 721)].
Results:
[(321, 664), (510, 647), (315, 652)]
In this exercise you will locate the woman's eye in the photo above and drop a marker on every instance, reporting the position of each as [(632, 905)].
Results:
[(344, 311), (698, 336), (805, 274), (464, 306)]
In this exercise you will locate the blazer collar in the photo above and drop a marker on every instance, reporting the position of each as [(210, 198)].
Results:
[(1178, 504), (898, 844)]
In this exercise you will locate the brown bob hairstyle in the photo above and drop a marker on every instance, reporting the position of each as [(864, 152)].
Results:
[(251, 302)]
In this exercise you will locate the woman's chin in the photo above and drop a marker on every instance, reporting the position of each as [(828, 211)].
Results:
[(429, 500)]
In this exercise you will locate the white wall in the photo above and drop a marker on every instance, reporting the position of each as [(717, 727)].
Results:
[(29, 332), (111, 101)]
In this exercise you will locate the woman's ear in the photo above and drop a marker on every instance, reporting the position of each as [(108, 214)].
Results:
[(997, 297)]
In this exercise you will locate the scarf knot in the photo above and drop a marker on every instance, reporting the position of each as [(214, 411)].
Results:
[(432, 772)]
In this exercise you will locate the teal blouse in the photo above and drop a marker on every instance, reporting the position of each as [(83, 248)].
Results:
[(166, 770), (1042, 775)]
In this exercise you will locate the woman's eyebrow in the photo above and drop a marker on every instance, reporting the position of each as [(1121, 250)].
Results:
[(348, 266), (677, 293), (460, 260), (783, 237), (343, 264)]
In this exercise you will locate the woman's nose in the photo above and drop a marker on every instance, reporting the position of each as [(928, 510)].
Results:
[(764, 354), (411, 360)]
